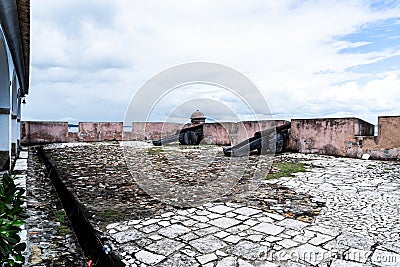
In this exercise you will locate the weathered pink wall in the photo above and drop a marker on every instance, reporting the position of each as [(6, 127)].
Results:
[(73, 137), (389, 131), (217, 133), (127, 136), (40, 132), (327, 136), (223, 133), (349, 137), (384, 146), (251, 127), (100, 131), (227, 133), (153, 130)]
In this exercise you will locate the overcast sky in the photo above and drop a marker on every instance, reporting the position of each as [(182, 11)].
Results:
[(308, 58)]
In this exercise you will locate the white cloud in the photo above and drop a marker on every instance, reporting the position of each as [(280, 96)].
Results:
[(93, 55)]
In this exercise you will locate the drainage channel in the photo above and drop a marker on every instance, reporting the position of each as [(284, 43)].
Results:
[(86, 234)]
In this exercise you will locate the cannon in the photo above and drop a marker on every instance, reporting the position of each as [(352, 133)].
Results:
[(187, 136), (267, 141)]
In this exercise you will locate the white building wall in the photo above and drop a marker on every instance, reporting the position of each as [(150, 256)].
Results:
[(14, 113), (5, 97), (8, 102), (19, 121), (5, 144)]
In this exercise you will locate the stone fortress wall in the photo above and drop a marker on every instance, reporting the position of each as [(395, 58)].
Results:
[(347, 137), (44, 132), (328, 136)]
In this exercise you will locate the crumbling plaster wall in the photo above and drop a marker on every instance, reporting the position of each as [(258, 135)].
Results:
[(328, 136), (232, 133), (350, 137), (153, 130), (384, 146), (100, 131), (41, 132)]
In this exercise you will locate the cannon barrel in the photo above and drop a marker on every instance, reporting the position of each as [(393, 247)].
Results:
[(267, 141), (186, 136)]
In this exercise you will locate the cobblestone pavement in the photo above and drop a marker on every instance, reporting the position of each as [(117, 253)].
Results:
[(51, 241), (99, 176), (359, 226)]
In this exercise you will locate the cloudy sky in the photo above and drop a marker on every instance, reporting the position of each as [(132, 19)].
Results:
[(308, 58)]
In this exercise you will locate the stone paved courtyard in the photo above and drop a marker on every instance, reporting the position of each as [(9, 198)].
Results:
[(358, 225)]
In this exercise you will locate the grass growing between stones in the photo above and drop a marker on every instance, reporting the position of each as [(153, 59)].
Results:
[(111, 215), (155, 151), (60, 214), (63, 229), (285, 169)]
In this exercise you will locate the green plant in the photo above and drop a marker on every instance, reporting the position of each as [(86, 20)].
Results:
[(111, 215), (64, 230), (60, 215), (11, 218), (155, 151), (286, 169)]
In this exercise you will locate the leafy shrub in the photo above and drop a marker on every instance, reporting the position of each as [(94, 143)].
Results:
[(11, 218)]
